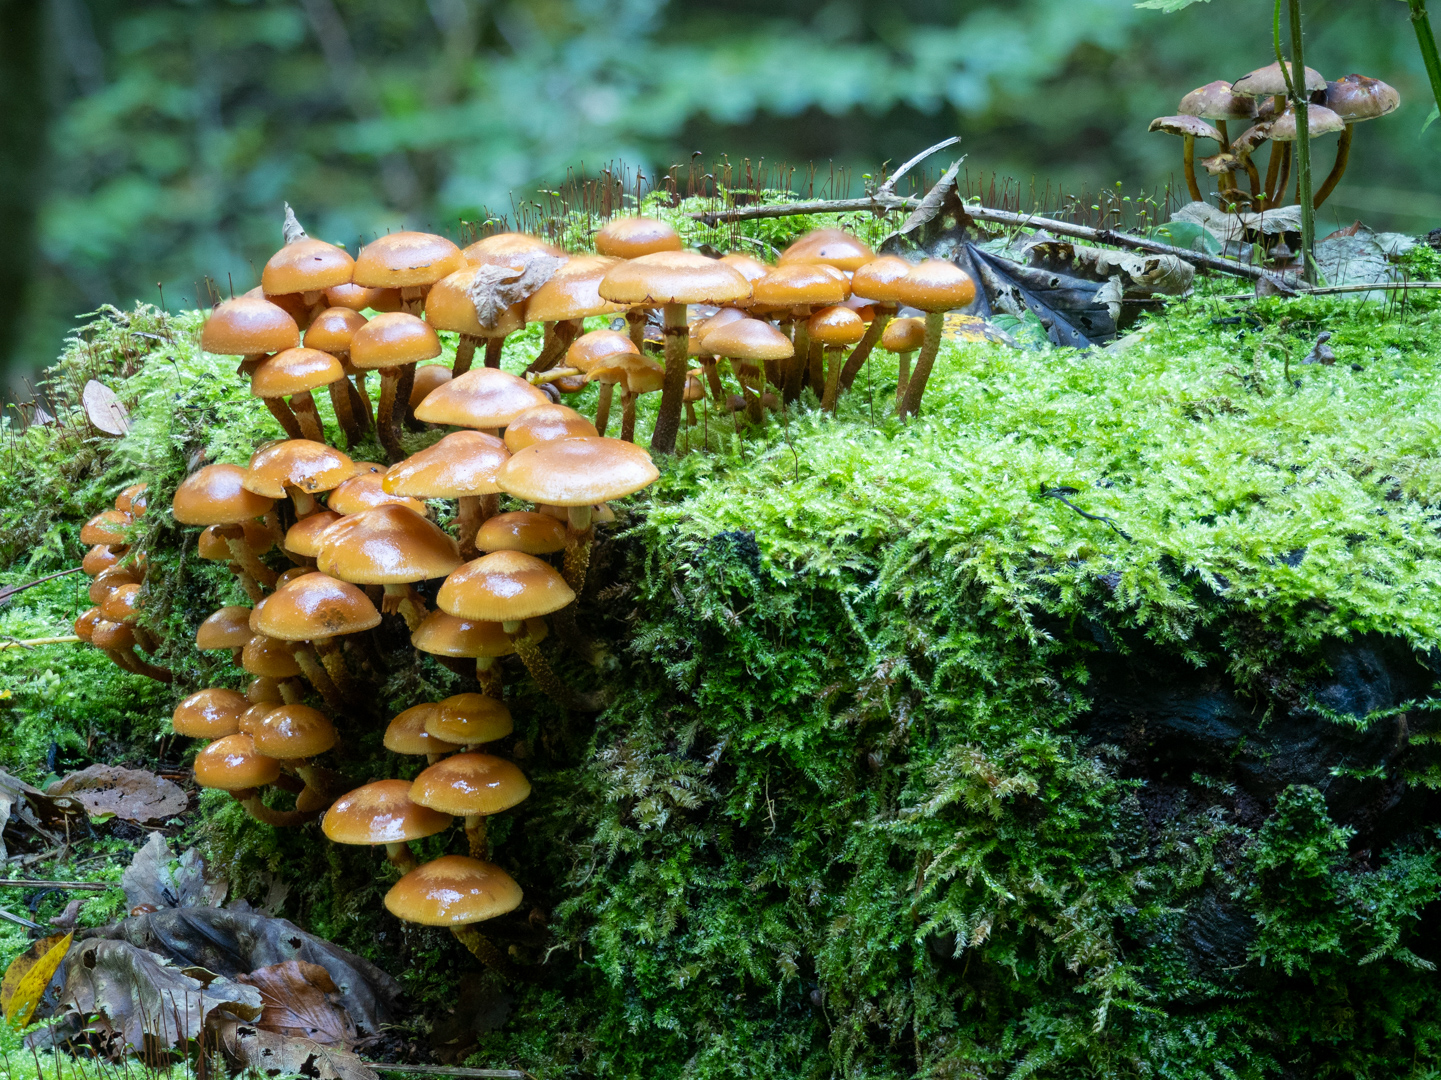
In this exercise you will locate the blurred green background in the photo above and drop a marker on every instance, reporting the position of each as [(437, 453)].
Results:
[(146, 141)]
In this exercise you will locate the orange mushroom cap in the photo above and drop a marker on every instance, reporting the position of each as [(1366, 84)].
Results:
[(392, 339), (465, 784), (228, 628), (300, 463), (828, 247), (248, 326), (389, 545), (209, 714), (233, 764), (313, 606), (380, 813), (293, 731), (632, 237), (216, 495), (453, 891), (406, 260), (481, 398), (406, 733), (504, 586), (307, 265), (577, 472), (462, 464), (522, 530), (674, 277)]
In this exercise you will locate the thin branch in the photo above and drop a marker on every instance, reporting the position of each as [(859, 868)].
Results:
[(1060, 493), (451, 1070), (7, 591), (889, 187), (30, 643), (84, 886), (1331, 290)]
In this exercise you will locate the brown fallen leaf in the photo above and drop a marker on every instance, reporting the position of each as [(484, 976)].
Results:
[(248, 1047), (130, 794), (302, 1000), (103, 408), (25, 809), (497, 288)]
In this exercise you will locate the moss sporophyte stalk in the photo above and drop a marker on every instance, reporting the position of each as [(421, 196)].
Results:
[(832, 746)]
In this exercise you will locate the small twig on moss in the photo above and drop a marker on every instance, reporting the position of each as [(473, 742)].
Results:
[(84, 886), (451, 1070), (7, 591), (30, 643), (1060, 493)]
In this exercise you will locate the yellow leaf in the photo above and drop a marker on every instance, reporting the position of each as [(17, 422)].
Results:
[(28, 975)]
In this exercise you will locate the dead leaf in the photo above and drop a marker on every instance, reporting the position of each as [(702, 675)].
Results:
[(130, 794), (1236, 232), (1358, 255), (135, 996), (496, 288), (104, 409), (1067, 306), (28, 975), (1123, 275), (158, 878), (234, 943), (70, 917), (248, 1047), (25, 809), (302, 1000)]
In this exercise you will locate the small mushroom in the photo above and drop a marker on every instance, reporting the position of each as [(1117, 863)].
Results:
[(562, 303), (366, 491), (453, 639), (406, 734), (1354, 98), (483, 398), (294, 373), (461, 466), (545, 423), (450, 307), (1189, 128), (251, 327), (332, 331), (393, 547), (592, 349), (215, 495), (382, 814), (750, 343), (474, 787), (903, 337), (935, 287), (302, 541), (228, 628), (232, 764), (630, 238), (457, 892), (800, 288), (209, 714), (317, 608), (303, 269), (409, 261), (293, 734), (1319, 121), (393, 343), (298, 468), (834, 328)]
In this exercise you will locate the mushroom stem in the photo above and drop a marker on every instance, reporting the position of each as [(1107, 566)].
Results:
[(279, 819), (303, 501), (340, 391), (144, 638), (1188, 160), (488, 673), (248, 562), (1280, 193), (916, 387), (535, 662), (1343, 155), (404, 599), (281, 412), (672, 395), (475, 832), (333, 660), (401, 857), (795, 369), (1225, 136), (627, 418), (579, 535), (395, 384), (1254, 177), (471, 514), (1273, 169), (754, 412), (903, 376), (304, 406), (862, 352), (464, 354), (315, 673), (134, 663), (602, 407), (558, 336), (635, 323), (483, 949), (834, 362), (712, 378), (816, 369), (362, 395), (494, 346), (319, 785), (292, 691)]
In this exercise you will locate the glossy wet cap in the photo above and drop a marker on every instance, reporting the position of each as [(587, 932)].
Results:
[(228, 628), (749, 339), (577, 472), (1319, 121), (1193, 126), (212, 545), (233, 764), (904, 335), (522, 530), (937, 285), (366, 491), (465, 784), (300, 463), (84, 625), (546, 423), (481, 398), (216, 495), (749, 267), (406, 259), (428, 377), (354, 297), (333, 329), (252, 716), (1269, 82), (132, 500), (632, 237), (1355, 98), (597, 346), (307, 265), (496, 247), (110, 579), (504, 586), (106, 634), (263, 688), (106, 527), (380, 813), (268, 656), (674, 277), (406, 734), (836, 326), (470, 718), (1217, 101), (449, 307), (876, 280), (313, 606), (633, 372), (802, 285), (462, 464), (249, 326), (99, 558), (453, 891), (209, 714), (123, 604), (389, 545), (831, 247), (573, 292), (294, 371), (303, 538), (724, 317), (391, 339), (442, 634), (293, 731)]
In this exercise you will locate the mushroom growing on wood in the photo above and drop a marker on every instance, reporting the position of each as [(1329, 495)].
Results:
[(332, 331), (252, 328), (457, 892), (393, 547), (216, 495), (592, 349), (316, 608), (382, 814), (453, 639), (461, 466), (232, 764), (570, 296), (298, 468), (209, 714), (1189, 128), (473, 787), (630, 238), (294, 373), (409, 261), (293, 734), (935, 286), (750, 342), (228, 628), (393, 343), (303, 269)]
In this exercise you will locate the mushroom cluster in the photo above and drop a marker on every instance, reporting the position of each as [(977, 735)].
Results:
[(1260, 101), (117, 578)]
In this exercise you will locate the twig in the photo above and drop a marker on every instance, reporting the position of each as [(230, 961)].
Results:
[(19, 921), (1328, 290), (1060, 493), (29, 643), (7, 591), (889, 187), (451, 1070), (86, 886)]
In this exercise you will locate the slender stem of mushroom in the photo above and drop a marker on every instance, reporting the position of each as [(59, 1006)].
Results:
[(494, 347), (469, 518), (1273, 170), (484, 950), (1278, 196), (1343, 155), (1255, 179), (627, 417), (1188, 161), (712, 378), (475, 832), (672, 395), (387, 420), (834, 361), (404, 599), (488, 674), (362, 395), (536, 663), (318, 786), (796, 369), (558, 336), (332, 657), (286, 782), (602, 407), (279, 819), (292, 691), (1300, 103), (916, 387), (144, 638), (248, 562), (754, 413), (143, 667), (315, 673), (579, 535), (903, 376), (816, 369), (635, 323), (464, 354), (340, 391), (303, 501), (857, 360), (303, 405), (281, 412), (401, 857), (1225, 136)]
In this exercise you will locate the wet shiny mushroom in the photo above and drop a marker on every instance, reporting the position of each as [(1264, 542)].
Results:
[(474, 787), (215, 495), (800, 288), (483, 398), (453, 640), (293, 735), (589, 350), (393, 547), (562, 303), (630, 238), (409, 261), (209, 714), (294, 373), (457, 892), (332, 332), (406, 734), (751, 344), (833, 328), (393, 343), (903, 337), (304, 268), (382, 814), (233, 764), (299, 469), (935, 286), (252, 328), (317, 608), (451, 307), (228, 628), (461, 466)]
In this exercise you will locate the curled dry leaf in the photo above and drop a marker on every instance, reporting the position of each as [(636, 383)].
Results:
[(158, 878), (103, 408), (130, 794), (302, 1000), (1122, 275), (496, 288), (248, 1047), (27, 812)]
